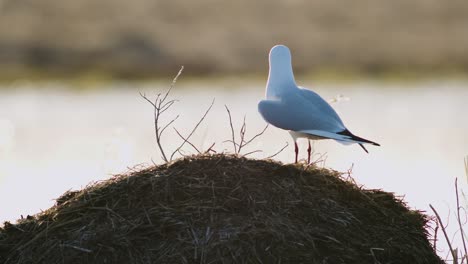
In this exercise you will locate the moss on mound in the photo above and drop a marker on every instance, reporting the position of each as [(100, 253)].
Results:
[(222, 209)]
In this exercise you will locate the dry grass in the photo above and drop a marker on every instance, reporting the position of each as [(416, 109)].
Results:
[(222, 209)]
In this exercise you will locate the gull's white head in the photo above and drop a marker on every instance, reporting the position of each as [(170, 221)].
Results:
[(280, 55), (280, 77)]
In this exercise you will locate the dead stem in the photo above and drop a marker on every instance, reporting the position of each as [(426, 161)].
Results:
[(160, 105), (452, 251), (460, 225), (193, 131), (278, 152)]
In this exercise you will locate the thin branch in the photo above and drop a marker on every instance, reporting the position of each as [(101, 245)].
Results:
[(278, 152), (167, 106), (251, 152), (167, 125), (242, 131), (193, 130), (173, 83), (232, 129), (459, 220), (188, 142), (156, 124), (349, 174), (230, 141), (256, 136), (160, 106), (452, 251), (321, 158), (181, 152), (211, 148), (146, 98)]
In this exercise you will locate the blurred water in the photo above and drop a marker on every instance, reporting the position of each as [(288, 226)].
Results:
[(53, 138)]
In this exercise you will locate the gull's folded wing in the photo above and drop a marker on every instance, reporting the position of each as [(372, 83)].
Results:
[(297, 115), (322, 106)]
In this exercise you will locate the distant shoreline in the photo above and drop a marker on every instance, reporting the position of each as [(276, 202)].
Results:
[(55, 39), (99, 75)]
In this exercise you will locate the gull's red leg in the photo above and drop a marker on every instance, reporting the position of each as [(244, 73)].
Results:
[(309, 150), (296, 150)]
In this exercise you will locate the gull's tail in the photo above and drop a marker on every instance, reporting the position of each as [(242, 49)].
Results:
[(359, 140), (344, 137)]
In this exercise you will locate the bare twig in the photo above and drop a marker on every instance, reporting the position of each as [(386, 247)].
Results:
[(278, 152), (349, 174), (230, 141), (167, 125), (193, 130), (460, 225), (210, 149), (242, 134), (173, 82), (322, 158), (452, 251), (245, 143), (146, 98), (251, 152), (160, 105), (232, 129), (186, 140)]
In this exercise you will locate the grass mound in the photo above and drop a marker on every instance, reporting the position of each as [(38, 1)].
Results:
[(221, 209)]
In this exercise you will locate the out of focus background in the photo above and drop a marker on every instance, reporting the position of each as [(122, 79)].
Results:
[(143, 38), (71, 73)]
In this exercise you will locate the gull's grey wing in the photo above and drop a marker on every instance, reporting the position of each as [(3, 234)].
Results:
[(297, 112), (320, 104)]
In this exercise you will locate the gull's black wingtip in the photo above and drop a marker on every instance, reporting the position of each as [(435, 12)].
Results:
[(346, 132)]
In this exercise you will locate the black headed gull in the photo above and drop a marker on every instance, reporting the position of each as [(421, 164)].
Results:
[(299, 110)]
